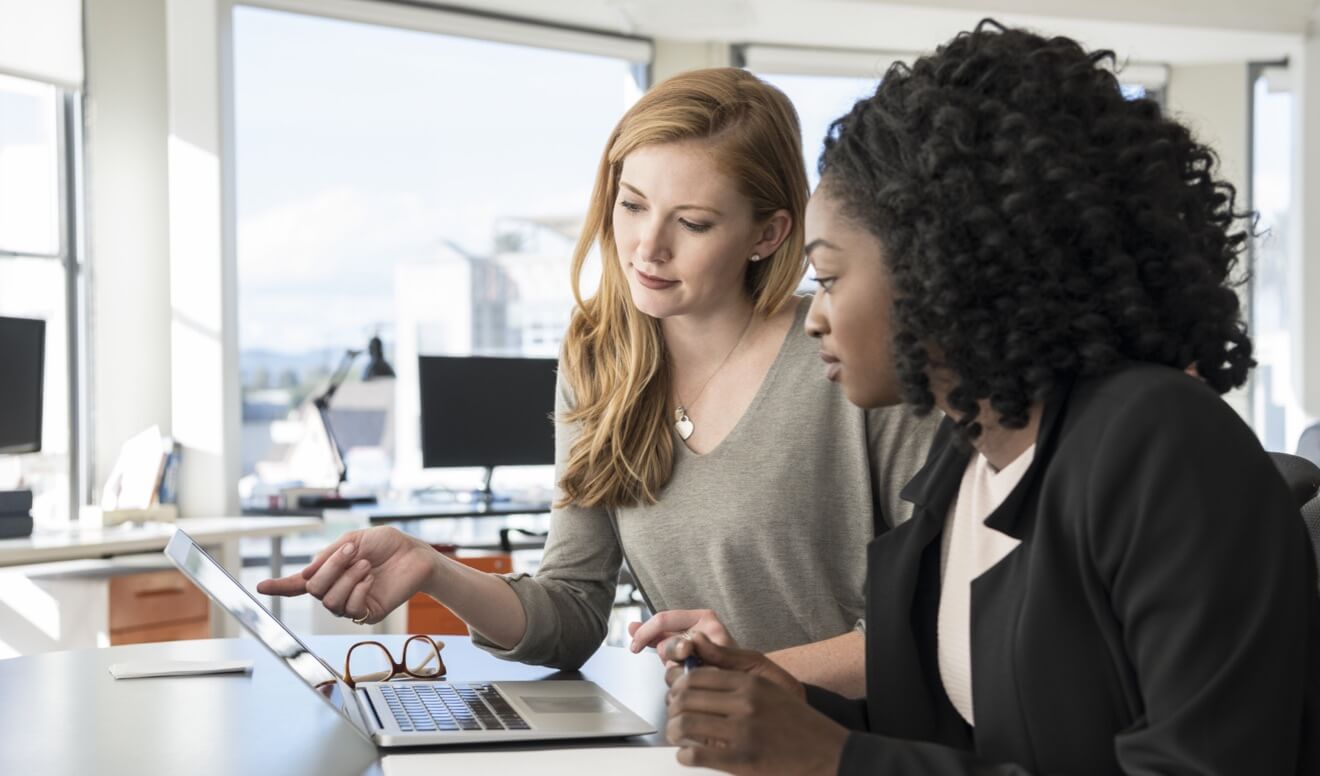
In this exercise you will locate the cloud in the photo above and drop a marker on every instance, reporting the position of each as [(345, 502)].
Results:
[(345, 239)]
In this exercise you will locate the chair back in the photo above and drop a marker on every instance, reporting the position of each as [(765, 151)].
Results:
[(1302, 476), (1311, 515), (1308, 445)]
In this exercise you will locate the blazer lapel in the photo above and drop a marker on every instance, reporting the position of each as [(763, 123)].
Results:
[(902, 701)]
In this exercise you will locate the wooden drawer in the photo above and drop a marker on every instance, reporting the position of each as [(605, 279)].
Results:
[(175, 631), (155, 598), (429, 616)]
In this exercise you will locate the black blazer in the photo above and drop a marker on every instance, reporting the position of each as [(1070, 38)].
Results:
[(1159, 617)]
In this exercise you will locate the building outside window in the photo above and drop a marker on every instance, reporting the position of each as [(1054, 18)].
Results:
[(422, 186)]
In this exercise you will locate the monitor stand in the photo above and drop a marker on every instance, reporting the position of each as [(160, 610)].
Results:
[(485, 495)]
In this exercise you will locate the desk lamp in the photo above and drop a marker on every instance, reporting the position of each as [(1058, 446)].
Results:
[(377, 368)]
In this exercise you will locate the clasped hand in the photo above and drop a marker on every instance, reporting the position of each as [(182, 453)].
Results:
[(738, 712)]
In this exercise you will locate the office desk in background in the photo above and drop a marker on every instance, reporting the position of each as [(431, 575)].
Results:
[(78, 543), (64, 714), (219, 535)]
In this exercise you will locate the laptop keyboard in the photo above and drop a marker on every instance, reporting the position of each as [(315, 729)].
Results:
[(436, 706)]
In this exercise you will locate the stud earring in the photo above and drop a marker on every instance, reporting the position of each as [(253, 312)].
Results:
[(756, 257)]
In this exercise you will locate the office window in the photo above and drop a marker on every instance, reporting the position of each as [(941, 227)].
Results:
[(29, 167), (38, 269), (820, 100), (1276, 413), (424, 187), (824, 85)]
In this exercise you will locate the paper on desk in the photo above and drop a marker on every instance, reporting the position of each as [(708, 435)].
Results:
[(633, 760), (141, 669)]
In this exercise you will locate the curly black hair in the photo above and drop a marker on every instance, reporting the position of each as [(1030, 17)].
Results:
[(1038, 225)]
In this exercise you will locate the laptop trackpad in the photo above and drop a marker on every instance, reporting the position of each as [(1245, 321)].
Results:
[(568, 704)]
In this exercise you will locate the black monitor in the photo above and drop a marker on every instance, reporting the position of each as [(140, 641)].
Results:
[(480, 411), (22, 365)]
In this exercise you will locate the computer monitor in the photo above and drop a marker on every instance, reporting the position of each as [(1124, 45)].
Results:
[(22, 367), (480, 411)]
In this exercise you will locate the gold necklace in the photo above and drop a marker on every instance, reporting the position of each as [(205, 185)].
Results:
[(682, 423)]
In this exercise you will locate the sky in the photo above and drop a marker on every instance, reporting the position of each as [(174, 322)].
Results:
[(361, 147)]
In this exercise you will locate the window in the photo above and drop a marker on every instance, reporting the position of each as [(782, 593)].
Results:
[(40, 276), (820, 100), (425, 187), (824, 85), (1276, 412)]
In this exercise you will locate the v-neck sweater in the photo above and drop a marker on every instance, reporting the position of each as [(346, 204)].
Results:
[(769, 529)]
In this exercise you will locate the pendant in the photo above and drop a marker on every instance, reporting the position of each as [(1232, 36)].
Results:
[(683, 424)]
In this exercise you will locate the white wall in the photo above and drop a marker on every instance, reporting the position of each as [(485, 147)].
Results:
[(1305, 238), (675, 56), (127, 231), (42, 40)]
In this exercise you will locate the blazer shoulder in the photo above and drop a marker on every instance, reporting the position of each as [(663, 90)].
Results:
[(1141, 396)]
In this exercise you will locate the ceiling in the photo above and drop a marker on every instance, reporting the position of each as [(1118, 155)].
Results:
[(1289, 16), (1172, 31)]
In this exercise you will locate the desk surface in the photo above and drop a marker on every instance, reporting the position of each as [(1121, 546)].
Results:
[(96, 542), (387, 512), (64, 714)]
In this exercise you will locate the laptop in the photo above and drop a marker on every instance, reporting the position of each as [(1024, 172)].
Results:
[(419, 712)]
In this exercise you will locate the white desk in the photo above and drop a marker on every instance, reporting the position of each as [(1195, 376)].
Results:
[(64, 714), (219, 535)]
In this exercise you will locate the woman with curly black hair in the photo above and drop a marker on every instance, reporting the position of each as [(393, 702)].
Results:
[(1104, 573)]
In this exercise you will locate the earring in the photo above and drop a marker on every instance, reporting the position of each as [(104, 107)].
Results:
[(756, 257)]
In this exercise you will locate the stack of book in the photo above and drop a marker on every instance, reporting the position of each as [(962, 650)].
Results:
[(15, 514)]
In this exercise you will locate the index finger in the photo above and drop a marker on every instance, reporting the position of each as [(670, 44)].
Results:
[(292, 585)]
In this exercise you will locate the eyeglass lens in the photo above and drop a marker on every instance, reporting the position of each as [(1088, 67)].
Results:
[(420, 657), (369, 663)]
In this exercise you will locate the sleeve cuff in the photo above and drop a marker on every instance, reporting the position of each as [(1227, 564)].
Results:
[(542, 625), (848, 712)]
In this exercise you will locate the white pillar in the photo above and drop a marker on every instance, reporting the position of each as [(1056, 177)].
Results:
[(126, 227), (205, 389)]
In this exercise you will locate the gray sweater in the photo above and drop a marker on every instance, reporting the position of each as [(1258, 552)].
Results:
[(769, 529)]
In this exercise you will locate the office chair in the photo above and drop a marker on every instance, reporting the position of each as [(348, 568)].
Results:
[(1311, 514), (1302, 476), (1308, 445)]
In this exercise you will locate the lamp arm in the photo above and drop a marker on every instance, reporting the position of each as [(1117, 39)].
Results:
[(322, 404), (336, 379)]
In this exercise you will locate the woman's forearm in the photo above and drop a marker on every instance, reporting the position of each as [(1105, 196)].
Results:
[(484, 601), (837, 664)]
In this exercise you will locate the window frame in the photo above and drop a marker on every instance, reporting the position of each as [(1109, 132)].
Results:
[(70, 255)]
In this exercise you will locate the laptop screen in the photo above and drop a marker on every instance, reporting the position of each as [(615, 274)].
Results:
[(212, 578)]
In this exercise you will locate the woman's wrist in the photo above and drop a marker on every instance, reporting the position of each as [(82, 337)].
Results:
[(441, 577)]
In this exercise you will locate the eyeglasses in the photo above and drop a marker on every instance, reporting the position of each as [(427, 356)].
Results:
[(372, 661)]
